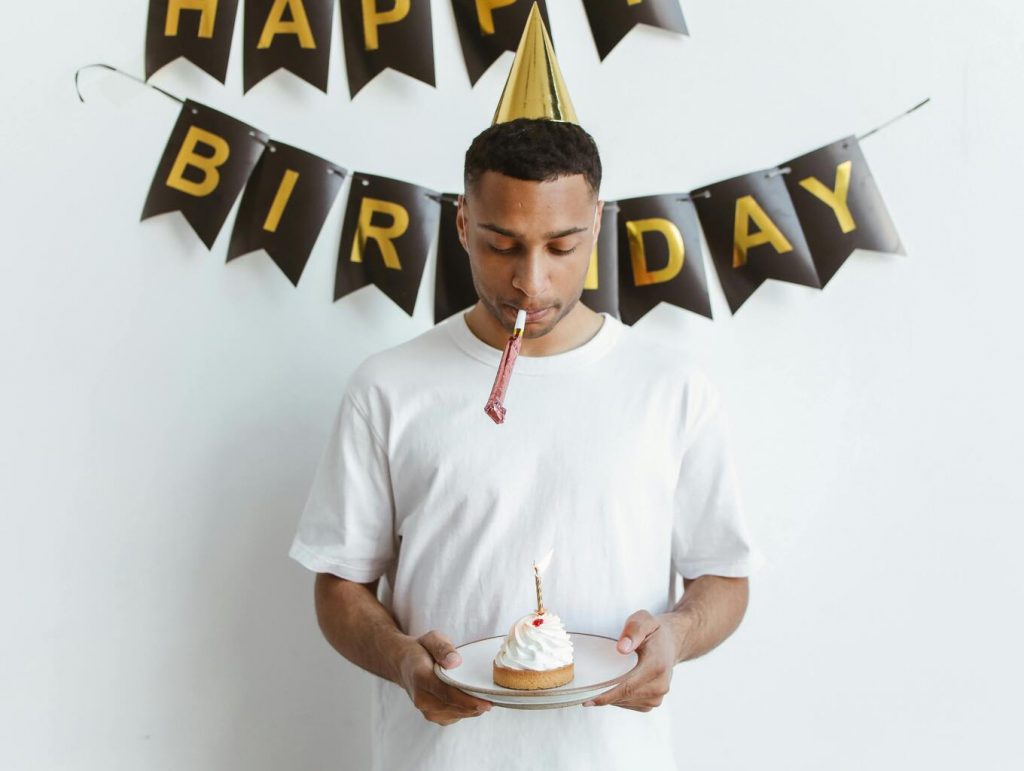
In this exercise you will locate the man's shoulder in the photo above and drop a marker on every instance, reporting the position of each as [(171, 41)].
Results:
[(410, 358), (673, 376), (649, 356)]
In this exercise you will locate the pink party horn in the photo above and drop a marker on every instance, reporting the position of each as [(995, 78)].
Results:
[(494, 406)]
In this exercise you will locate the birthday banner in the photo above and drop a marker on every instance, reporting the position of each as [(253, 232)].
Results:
[(295, 35), (797, 222)]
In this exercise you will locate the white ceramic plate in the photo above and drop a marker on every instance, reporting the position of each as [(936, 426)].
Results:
[(598, 666)]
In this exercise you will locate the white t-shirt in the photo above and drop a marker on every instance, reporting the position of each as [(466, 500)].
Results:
[(615, 454)]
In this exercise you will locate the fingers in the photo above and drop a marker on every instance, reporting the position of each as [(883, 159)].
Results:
[(633, 694), (624, 691), (437, 711), (647, 675), (457, 698), (441, 648), (441, 703), (638, 628), (647, 684), (453, 697)]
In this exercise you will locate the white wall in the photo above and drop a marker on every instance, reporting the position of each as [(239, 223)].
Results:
[(162, 412)]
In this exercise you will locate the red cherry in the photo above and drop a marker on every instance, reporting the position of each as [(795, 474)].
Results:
[(538, 621)]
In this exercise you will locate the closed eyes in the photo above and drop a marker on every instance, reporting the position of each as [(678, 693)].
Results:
[(514, 249)]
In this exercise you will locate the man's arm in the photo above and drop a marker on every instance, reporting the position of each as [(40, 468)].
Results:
[(711, 609), (361, 629), (342, 608)]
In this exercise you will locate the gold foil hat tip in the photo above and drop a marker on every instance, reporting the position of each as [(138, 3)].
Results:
[(535, 87)]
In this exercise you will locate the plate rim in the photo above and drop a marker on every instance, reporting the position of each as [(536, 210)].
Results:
[(536, 693)]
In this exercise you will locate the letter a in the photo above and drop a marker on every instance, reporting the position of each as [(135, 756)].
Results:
[(768, 232), (298, 26)]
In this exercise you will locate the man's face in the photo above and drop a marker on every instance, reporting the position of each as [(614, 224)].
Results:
[(529, 245)]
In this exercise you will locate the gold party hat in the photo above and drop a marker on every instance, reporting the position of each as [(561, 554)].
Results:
[(535, 88)]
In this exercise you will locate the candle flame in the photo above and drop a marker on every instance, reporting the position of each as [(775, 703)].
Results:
[(540, 567)]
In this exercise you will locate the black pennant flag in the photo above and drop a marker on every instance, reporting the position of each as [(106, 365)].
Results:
[(611, 20), (208, 158), (660, 257), (488, 28), (388, 228), (754, 234), (380, 34), (199, 30), (290, 34), (284, 207), (839, 205), (601, 285), (453, 281)]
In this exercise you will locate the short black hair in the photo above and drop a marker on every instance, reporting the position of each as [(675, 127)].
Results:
[(536, 149)]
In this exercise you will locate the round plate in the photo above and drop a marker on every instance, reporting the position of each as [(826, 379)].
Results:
[(598, 666)]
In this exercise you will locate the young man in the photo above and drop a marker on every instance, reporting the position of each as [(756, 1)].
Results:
[(614, 453)]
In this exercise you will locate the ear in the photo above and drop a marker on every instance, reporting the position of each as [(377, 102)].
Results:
[(460, 222), (597, 219)]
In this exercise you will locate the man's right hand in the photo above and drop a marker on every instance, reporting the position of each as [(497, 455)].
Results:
[(439, 702)]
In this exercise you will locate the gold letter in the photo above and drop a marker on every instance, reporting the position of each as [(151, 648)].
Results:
[(299, 25), (834, 199), (485, 15), (642, 276), (383, 236), (281, 198), (633, 2), (768, 232), (372, 19), (175, 7), (590, 282), (187, 156)]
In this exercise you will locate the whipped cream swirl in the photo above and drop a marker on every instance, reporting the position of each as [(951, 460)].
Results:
[(537, 642)]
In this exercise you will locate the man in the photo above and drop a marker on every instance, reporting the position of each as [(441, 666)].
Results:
[(614, 453)]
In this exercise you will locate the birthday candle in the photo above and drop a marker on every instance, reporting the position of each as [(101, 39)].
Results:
[(539, 568)]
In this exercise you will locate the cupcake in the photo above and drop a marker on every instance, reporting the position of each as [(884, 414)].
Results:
[(536, 653)]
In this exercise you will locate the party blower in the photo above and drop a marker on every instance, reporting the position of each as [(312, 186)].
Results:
[(494, 406)]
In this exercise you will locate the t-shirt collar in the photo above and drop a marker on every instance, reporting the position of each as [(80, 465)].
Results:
[(593, 349)]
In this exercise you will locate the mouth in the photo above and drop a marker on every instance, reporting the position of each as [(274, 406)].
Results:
[(532, 316)]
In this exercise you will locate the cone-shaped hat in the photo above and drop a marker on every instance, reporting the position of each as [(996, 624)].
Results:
[(535, 88)]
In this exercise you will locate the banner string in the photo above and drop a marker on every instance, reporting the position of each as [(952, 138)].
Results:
[(786, 170), (127, 75), (444, 199), (341, 171), (889, 122)]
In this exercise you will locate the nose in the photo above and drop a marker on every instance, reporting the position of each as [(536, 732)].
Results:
[(531, 275)]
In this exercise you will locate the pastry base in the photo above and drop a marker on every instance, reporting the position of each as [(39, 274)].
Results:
[(532, 679)]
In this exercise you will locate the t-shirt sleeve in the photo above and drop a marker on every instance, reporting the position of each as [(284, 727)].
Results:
[(347, 525), (709, 534)]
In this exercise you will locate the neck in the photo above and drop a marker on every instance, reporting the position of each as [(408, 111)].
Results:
[(573, 330)]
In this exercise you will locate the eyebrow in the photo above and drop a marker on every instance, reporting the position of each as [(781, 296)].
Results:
[(512, 234)]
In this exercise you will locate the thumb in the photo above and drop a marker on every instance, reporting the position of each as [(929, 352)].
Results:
[(638, 628), (441, 648)]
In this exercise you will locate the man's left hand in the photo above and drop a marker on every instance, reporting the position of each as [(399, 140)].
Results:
[(655, 640)]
